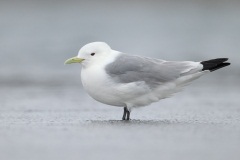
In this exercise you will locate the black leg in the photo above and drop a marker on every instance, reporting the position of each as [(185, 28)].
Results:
[(124, 113), (128, 115)]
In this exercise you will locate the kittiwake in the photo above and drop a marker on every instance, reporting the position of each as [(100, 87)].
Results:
[(130, 81)]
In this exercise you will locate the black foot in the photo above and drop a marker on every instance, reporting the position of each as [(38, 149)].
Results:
[(126, 114)]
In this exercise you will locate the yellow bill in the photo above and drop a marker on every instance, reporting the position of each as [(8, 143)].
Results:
[(74, 60)]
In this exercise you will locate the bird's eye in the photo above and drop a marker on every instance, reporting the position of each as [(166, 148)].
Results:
[(92, 54)]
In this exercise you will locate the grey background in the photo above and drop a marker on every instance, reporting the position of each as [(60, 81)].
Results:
[(45, 113)]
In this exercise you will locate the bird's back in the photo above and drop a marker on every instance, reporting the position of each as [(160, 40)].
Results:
[(154, 72)]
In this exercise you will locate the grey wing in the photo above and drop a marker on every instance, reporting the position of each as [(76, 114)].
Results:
[(129, 68)]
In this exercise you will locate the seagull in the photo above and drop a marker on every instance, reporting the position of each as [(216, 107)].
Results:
[(130, 81)]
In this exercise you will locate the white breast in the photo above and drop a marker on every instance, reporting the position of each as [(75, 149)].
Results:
[(98, 85)]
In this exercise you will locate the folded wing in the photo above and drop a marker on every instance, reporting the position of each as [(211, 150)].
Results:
[(154, 72)]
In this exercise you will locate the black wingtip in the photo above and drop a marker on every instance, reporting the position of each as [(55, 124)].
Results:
[(216, 61), (215, 64), (220, 66)]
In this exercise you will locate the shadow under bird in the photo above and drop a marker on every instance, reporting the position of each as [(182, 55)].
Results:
[(130, 81)]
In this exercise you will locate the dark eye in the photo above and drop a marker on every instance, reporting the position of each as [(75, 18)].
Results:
[(92, 54)]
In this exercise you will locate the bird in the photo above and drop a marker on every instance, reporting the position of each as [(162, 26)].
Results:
[(131, 81)]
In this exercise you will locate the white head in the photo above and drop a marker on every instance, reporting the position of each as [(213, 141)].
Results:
[(91, 53)]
